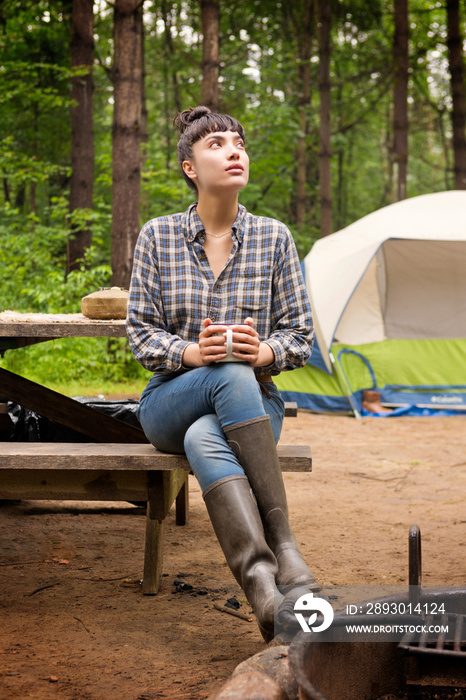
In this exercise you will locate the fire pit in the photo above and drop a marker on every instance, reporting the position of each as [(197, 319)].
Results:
[(341, 665)]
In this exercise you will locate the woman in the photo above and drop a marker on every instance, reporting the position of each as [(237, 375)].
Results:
[(217, 264)]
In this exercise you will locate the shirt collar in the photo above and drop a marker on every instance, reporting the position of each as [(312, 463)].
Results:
[(195, 227)]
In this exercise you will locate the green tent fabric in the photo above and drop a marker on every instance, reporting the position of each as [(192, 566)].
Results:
[(426, 373), (388, 295)]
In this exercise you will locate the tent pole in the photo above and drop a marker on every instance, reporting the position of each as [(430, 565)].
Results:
[(340, 375)]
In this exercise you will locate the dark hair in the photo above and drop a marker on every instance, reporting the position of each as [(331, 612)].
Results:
[(194, 124)]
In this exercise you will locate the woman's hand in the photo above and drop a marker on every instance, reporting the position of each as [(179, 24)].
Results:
[(212, 345), (246, 342), (257, 354), (210, 348)]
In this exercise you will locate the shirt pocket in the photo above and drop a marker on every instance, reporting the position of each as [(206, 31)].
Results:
[(253, 291)]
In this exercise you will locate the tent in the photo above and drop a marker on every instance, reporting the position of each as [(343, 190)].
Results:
[(388, 295)]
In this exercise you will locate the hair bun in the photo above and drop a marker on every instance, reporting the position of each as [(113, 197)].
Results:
[(188, 116)]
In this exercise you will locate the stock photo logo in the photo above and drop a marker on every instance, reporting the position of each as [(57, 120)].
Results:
[(310, 606)]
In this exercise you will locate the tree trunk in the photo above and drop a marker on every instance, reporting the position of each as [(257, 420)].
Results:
[(171, 91), (304, 38), (6, 190), (400, 98), (127, 112), (210, 53), (456, 67), (144, 131), (325, 173), (35, 141), (82, 125)]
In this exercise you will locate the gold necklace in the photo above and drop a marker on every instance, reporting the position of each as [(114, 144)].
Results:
[(218, 235)]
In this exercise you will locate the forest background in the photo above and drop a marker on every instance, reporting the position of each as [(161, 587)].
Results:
[(348, 105)]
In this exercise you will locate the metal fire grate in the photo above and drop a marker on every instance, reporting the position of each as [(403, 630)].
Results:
[(435, 652), (435, 657), (448, 641)]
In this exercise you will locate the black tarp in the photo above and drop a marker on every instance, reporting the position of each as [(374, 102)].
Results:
[(28, 426)]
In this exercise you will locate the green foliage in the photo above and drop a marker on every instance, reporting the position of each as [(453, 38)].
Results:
[(261, 46), (19, 169), (33, 262), (99, 364), (34, 102), (34, 279)]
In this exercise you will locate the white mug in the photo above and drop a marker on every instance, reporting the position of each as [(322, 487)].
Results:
[(229, 342)]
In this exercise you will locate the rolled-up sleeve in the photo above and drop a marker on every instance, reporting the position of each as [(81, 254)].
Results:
[(152, 345), (292, 333)]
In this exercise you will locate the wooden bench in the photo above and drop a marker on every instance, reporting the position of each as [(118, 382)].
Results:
[(114, 472)]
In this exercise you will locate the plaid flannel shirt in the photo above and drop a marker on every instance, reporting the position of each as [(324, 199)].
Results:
[(173, 290)]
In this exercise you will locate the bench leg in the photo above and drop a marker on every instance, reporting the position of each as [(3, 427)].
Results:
[(182, 504), (163, 489), (153, 555)]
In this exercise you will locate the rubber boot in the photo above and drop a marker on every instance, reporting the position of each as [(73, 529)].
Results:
[(253, 443), (237, 523)]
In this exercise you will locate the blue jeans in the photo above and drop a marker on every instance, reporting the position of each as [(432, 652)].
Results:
[(187, 412)]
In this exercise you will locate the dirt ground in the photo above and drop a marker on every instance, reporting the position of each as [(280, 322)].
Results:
[(75, 625)]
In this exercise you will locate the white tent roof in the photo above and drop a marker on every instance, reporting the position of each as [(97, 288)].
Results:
[(399, 272)]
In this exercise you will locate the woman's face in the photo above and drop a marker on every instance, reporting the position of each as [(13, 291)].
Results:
[(219, 163)]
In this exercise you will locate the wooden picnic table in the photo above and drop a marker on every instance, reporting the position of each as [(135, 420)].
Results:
[(21, 330), (123, 467), (64, 471)]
